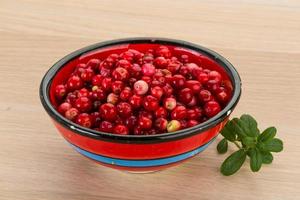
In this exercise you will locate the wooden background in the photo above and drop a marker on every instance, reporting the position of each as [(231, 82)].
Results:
[(261, 38)]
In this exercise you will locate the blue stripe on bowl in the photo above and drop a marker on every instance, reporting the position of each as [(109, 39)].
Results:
[(141, 163)]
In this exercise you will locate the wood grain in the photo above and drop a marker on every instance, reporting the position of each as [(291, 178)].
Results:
[(261, 38)]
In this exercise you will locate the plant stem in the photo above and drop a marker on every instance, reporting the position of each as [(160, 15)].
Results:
[(237, 144)]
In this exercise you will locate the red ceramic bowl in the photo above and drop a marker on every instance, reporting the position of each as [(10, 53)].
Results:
[(139, 152)]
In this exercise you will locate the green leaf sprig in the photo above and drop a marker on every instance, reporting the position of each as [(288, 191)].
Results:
[(244, 133)]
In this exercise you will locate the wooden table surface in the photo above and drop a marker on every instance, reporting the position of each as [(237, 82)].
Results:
[(261, 38)]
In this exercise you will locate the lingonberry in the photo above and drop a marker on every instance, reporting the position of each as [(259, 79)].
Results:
[(74, 83), (106, 126), (163, 51), (160, 62), (170, 103), (105, 72), (136, 101), (71, 98), (71, 114), (168, 90), (121, 130), (84, 120), (93, 64), (173, 125), (150, 103), (97, 80), (83, 104), (120, 74), (194, 113), (87, 75), (140, 87), (191, 123), (98, 93), (212, 85), (127, 55), (137, 130), (112, 98), (117, 86), (202, 77), (205, 96), (144, 113), (62, 108), (123, 64), (214, 75), (135, 70), (173, 66), (83, 92), (148, 69), (60, 91), (106, 84), (125, 94), (222, 96), (161, 124), (184, 58), (183, 124), (161, 112), (131, 122), (145, 123), (211, 108), (95, 119), (184, 70), (185, 95), (124, 109), (179, 113), (147, 79), (157, 92), (193, 102), (108, 112), (178, 81), (194, 85)]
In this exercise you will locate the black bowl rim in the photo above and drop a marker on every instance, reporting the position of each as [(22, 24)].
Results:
[(198, 129)]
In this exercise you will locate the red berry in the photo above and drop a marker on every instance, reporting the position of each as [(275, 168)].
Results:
[(83, 104), (160, 62), (145, 123), (205, 96), (124, 64), (106, 84), (135, 101), (93, 64), (125, 94), (223, 97), (148, 69), (173, 125), (194, 85), (212, 108), (105, 72), (161, 124), (74, 83), (98, 94), (193, 102), (150, 103), (184, 58), (108, 111), (195, 113), (95, 118), (121, 130), (64, 107), (137, 130), (84, 120), (83, 93), (168, 90), (144, 113), (191, 123), (178, 81), (170, 103), (131, 122), (60, 91), (112, 98), (173, 66), (97, 80), (161, 112), (106, 126), (71, 98), (135, 70), (120, 74), (214, 75), (202, 77), (147, 79), (185, 95), (184, 70), (179, 113), (157, 92), (127, 55), (71, 114), (117, 87), (140, 87), (87, 75), (163, 51), (124, 109)]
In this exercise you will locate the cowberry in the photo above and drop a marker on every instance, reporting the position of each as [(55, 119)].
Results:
[(121, 130), (74, 83), (83, 104), (179, 113), (124, 109), (140, 87), (60, 91), (108, 111), (173, 125), (211, 108), (150, 103), (145, 123), (84, 120)]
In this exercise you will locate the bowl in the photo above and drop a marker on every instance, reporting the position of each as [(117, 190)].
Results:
[(139, 153)]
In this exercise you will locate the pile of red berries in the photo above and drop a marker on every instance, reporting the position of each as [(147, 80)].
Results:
[(141, 93)]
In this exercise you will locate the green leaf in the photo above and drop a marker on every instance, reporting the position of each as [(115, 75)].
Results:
[(233, 163), (238, 124), (255, 159), (222, 146), (249, 125), (267, 135), (229, 131), (249, 141), (274, 145), (267, 157)]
